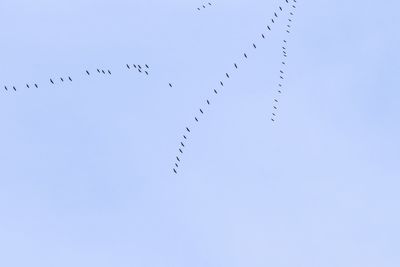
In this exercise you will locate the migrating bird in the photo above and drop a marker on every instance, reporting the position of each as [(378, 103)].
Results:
[(276, 100), (215, 91), (283, 63), (175, 171), (263, 36), (236, 65), (227, 75), (281, 77), (280, 8), (15, 89), (272, 20), (139, 66), (281, 71), (36, 85), (62, 79), (170, 85), (98, 70), (69, 78), (146, 72), (178, 159), (221, 83), (272, 119), (27, 85), (180, 150), (139, 70), (103, 71), (88, 73), (275, 107), (280, 85), (279, 91), (127, 65), (275, 14), (109, 72), (269, 28), (176, 165), (196, 119), (201, 111), (5, 87), (187, 129), (184, 136), (208, 102), (198, 8), (182, 144), (254, 46), (146, 65), (134, 66), (51, 81), (245, 55), (273, 114)]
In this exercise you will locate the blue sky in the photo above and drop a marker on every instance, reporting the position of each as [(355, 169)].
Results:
[(86, 166)]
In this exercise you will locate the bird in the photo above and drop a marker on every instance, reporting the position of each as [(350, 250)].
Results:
[(98, 70), (291, 13), (227, 75), (69, 78), (109, 72), (5, 87), (215, 91), (272, 119), (201, 111), (177, 158), (146, 65), (283, 63), (88, 73), (269, 28), (280, 8), (279, 91), (27, 85), (275, 14), (209, 4), (184, 136), (284, 48), (281, 77), (208, 102), (273, 114), (245, 55), (182, 144), (134, 66), (275, 107), (170, 85), (127, 65), (180, 150), (204, 6), (221, 83), (288, 26), (103, 71), (176, 165), (198, 8), (281, 71), (280, 85), (288, 31), (236, 66), (62, 79), (51, 81), (146, 72), (175, 171), (276, 100), (272, 20), (139, 66), (254, 46), (15, 89), (196, 119), (36, 85), (139, 70), (187, 129), (284, 41), (263, 36), (290, 20)]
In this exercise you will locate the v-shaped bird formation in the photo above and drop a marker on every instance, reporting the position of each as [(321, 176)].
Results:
[(201, 110)]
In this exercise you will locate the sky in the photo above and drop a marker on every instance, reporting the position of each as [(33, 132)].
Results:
[(86, 167)]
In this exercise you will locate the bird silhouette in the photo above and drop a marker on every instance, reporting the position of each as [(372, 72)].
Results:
[(196, 119), (182, 144), (175, 171), (88, 73), (245, 55), (27, 85), (51, 81), (254, 46), (201, 111), (268, 27), (15, 89), (208, 102), (221, 83), (5, 87), (236, 66), (36, 85), (227, 75), (146, 65), (170, 85), (109, 72), (103, 71), (62, 79), (263, 36), (178, 159), (127, 65), (69, 78), (187, 129), (215, 91)]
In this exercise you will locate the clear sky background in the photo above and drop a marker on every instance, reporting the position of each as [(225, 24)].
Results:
[(86, 167)]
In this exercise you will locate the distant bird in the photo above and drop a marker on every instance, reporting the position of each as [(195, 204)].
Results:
[(284, 48), (187, 129), (284, 41), (134, 66), (245, 55), (180, 150), (275, 14), (62, 79), (283, 63), (170, 85), (227, 75), (103, 71), (215, 91), (184, 136), (204, 6), (139, 70), (275, 107), (139, 66), (175, 171), (269, 28), (201, 111), (279, 91), (69, 78), (198, 8), (209, 4), (263, 36), (127, 65), (36, 85), (208, 102), (15, 89), (291, 13), (273, 114), (98, 70), (88, 73), (281, 77), (288, 31), (288, 26), (146, 65), (290, 20), (27, 85), (178, 159), (272, 20), (254, 45), (281, 71), (280, 85), (109, 72), (182, 144), (280, 8), (5, 87), (196, 119), (176, 165), (51, 81), (146, 72), (276, 100), (236, 66), (272, 119), (221, 83)]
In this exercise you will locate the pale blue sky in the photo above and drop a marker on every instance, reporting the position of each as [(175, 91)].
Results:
[(86, 167)]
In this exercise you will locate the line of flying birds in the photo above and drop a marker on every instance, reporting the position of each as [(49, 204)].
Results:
[(204, 5), (144, 70), (201, 110)]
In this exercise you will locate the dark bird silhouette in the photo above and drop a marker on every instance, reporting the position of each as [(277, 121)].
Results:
[(272, 20), (272, 119), (209, 4), (245, 55), (283, 63), (204, 6), (280, 85), (215, 91), (269, 28), (146, 65), (176, 165), (27, 85), (139, 70), (175, 171), (208, 102), (288, 26), (221, 83), (198, 8), (109, 72), (284, 41), (51, 81), (279, 91), (146, 72), (62, 79), (236, 65), (273, 114), (69, 78), (5, 87), (281, 71), (275, 14), (182, 144), (139, 66), (98, 70), (284, 48), (187, 129), (281, 77), (276, 100), (180, 150), (15, 89), (103, 71), (178, 159), (88, 73), (275, 107), (201, 111), (134, 66), (288, 31), (280, 8), (170, 85), (290, 20), (254, 45), (184, 136), (263, 36), (36, 85), (127, 65), (196, 119), (291, 13), (227, 75)]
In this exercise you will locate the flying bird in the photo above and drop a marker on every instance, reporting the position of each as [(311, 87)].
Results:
[(269, 28), (139, 70), (187, 129), (5, 87), (88, 73), (178, 159), (227, 75), (146, 72), (98, 70), (69, 78), (280, 8), (170, 85), (245, 55), (263, 36), (36, 85), (127, 65), (208, 102), (254, 46), (201, 111), (275, 14), (221, 83), (184, 136), (215, 91), (109, 72), (196, 119), (139, 66), (180, 150), (103, 71), (236, 65), (146, 65), (51, 81), (15, 89), (134, 66), (276, 100), (62, 79), (175, 171), (27, 85), (275, 107), (176, 165), (272, 20), (182, 144), (272, 119)]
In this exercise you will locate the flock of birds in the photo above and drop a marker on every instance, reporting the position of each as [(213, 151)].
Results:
[(201, 110), (145, 69)]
